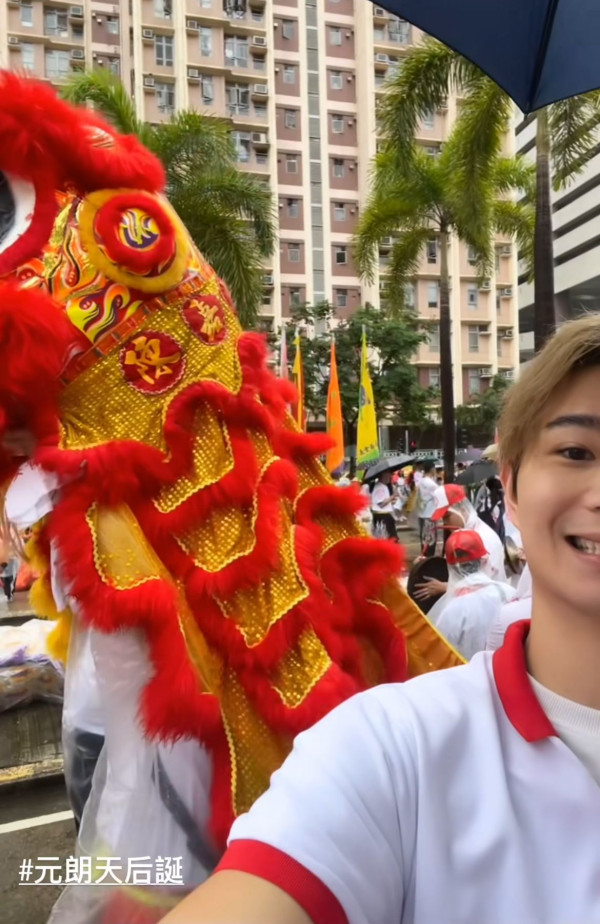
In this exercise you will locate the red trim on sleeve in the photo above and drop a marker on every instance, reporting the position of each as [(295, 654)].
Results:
[(514, 689), (249, 856)]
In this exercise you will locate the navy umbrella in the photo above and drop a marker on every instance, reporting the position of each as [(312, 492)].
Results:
[(539, 51)]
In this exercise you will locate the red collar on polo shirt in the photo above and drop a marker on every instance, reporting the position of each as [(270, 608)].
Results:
[(514, 689)]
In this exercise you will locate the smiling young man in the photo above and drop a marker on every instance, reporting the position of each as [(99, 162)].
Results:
[(470, 796)]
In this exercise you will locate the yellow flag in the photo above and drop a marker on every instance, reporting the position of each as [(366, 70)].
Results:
[(298, 377), (367, 439), (335, 426)]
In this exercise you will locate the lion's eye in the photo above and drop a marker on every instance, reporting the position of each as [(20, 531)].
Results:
[(17, 203), (7, 207)]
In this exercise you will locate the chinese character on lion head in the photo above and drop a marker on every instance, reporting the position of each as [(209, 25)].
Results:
[(224, 590)]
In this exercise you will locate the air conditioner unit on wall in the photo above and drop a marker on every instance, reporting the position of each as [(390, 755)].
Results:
[(485, 373), (147, 35), (508, 333), (506, 250), (260, 138), (506, 292), (192, 25), (486, 285), (76, 12), (77, 54), (259, 40), (13, 40), (193, 73), (149, 82), (268, 279), (260, 89), (381, 58)]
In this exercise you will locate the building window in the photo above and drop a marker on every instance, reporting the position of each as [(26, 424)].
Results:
[(498, 303), (432, 248), (499, 345), (259, 64), (55, 22), (341, 255), (236, 51), (208, 90), (165, 96), (27, 56), (471, 256), (112, 24), (472, 296), (339, 168), (336, 80), (337, 124), (288, 28), (409, 295), (428, 119), (293, 253), (206, 43), (434, 377), (434, 339), (399, 31), (57, 64), (295, 296), (432, 150), (339, 211), (293, 208), (76, 30), (474, 382), (238, 98), (163, 9), (235, 9), (26, 14), (291, 163), (205, 4), (289, 73), (260, 110), (163, 50), (114, 66), (341, 298), (290, 118), (473, 339), (241, 141), (433, 295), (335, 36)]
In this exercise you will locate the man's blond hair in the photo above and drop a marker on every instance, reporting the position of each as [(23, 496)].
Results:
[(575, 346)]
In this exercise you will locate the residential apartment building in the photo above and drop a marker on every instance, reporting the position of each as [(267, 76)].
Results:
[(300, 80), (576, 225)]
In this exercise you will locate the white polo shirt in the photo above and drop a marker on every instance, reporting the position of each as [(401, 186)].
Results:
[(448, 799)]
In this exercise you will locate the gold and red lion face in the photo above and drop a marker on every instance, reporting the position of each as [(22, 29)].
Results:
[(192, 508)]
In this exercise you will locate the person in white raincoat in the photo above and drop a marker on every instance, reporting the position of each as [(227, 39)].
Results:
[(474, 598), (456, 510)]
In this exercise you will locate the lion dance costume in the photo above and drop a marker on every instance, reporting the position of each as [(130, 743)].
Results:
[(231, 597)]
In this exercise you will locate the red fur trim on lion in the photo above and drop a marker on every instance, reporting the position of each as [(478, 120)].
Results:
[(291, 444), (41, 135)]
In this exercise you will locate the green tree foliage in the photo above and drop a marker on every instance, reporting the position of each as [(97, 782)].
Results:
[(415, 197), (480, 414), (229, 214), (392, 342), (567, 137)]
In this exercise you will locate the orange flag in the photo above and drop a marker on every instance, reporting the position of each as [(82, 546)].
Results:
[(298, 379), (335, 426)]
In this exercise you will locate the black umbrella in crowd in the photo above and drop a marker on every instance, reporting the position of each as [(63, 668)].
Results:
[(538, 51), (387, 464), (479, 471)]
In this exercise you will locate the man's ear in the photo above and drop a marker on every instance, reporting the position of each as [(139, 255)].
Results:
[(509, 482)]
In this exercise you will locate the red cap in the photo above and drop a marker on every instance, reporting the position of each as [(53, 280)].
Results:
[(446, 496), (464, 545)]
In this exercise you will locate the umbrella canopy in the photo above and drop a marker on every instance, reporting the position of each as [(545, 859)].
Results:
[(387, 464), (539, 51), (479, 471), (468, 455)]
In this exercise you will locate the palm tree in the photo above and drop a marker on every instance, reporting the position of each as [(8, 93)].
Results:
[(228, 213), (567, 135), (415, 197)]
